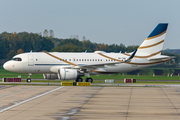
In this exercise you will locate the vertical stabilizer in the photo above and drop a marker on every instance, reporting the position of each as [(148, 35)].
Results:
[(153, 44)]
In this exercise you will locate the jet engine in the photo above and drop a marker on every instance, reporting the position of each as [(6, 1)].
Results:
[(50, 76), (68, 74)]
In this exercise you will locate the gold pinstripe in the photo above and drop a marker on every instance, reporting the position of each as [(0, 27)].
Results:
[(151, 45), (110, 57), (156, 36), (148, 63), (61, 59), (136, 64), (144, 56)]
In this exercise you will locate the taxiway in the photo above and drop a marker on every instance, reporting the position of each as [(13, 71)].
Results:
[(73, 102)]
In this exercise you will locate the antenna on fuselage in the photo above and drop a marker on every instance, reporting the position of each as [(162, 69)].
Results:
[(31, 51)]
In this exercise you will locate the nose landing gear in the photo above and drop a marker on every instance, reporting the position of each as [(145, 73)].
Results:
[(29, 77)]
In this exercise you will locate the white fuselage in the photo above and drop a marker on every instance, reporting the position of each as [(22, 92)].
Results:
[(39, 62), (66, 66)]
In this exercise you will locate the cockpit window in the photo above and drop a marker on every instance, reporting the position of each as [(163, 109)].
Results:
[(16, 59)]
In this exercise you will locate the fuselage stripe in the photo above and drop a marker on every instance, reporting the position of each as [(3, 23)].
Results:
[(151, 45), (148, 63), (144, 56), (110, 57), (61, 59), (116, 59), (156, 35), (134, 64)]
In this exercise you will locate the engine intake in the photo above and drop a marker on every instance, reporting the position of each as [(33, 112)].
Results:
[(50, 76)]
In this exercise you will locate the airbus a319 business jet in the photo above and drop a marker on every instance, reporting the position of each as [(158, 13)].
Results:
[(68, 66)]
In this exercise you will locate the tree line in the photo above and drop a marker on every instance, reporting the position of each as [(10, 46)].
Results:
[(16, 43), (13, 43)]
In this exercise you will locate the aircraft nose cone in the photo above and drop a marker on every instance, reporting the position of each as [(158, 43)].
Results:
[(5, 66)]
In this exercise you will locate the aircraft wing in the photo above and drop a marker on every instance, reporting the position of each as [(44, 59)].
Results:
[(103, 64), (95, 65)]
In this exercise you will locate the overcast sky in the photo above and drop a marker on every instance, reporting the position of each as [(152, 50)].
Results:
[(102, 21)]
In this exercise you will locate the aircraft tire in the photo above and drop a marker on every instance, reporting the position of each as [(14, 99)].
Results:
[(79, 80), (29, 80), (89, 80)]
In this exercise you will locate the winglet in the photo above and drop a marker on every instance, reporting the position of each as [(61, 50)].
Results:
[(131, 57), (86, 51)]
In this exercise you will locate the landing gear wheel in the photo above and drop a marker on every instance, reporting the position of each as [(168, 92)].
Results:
[(89, 80), (29, 80), (79, 80)]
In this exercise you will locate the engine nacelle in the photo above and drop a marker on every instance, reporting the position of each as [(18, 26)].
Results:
[(50, 76), (67, 74)]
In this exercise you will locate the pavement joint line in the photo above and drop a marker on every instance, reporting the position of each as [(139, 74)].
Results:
[(84, 104), (170, 101), (129, 103), (33, 106), (13, 92), (22, 102)]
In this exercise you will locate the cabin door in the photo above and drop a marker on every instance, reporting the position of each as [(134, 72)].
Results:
[(30, 60)]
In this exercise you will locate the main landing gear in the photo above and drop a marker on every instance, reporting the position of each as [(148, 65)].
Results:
[(79, 79), (29, 77), (89, 80)]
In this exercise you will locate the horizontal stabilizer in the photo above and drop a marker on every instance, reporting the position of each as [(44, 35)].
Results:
[(160, 57)]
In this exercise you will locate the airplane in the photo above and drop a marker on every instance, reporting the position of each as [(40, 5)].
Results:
[(68, 66)]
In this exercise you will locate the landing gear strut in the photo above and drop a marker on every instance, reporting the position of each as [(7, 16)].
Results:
[(29, 77)]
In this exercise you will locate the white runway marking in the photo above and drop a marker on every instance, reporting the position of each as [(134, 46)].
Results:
[(12, 106)]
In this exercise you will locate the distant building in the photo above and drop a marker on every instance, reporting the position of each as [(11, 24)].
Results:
[(51, 33), (45, 33)]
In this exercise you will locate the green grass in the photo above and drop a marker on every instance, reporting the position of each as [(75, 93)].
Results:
[(8, 74), (5, 73), (141, 77)]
